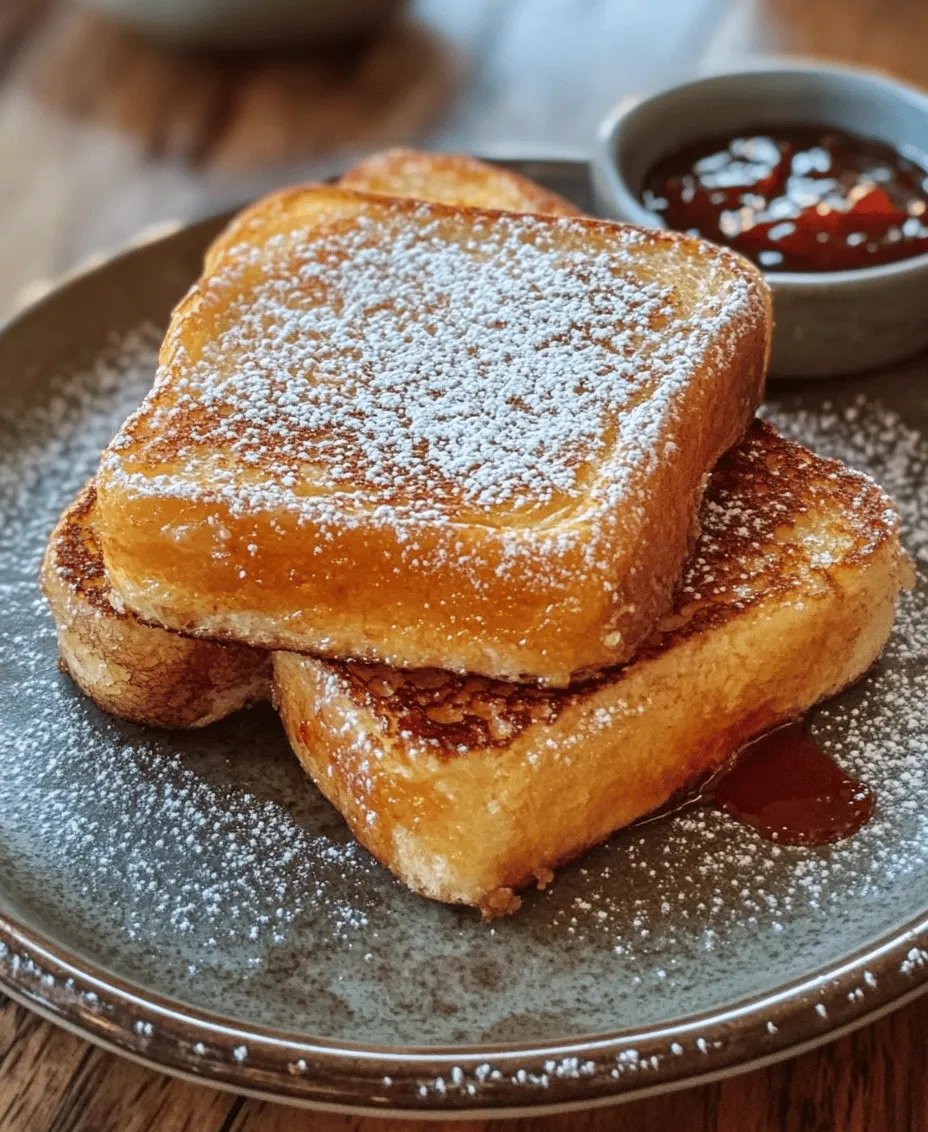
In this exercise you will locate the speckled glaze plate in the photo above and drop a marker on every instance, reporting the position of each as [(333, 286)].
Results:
[(191, 901)]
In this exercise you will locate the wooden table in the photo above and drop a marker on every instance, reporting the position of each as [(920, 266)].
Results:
[(102, 135), (872, 1081)]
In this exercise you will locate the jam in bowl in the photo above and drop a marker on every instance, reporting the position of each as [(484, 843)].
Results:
[(796, 198), (817, 173)]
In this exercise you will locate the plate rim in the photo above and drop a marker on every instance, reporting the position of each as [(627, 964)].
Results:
[(352, 1077), (446, 1082)]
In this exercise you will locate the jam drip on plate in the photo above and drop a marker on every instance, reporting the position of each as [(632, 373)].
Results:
[(796, 198), (786, 787)]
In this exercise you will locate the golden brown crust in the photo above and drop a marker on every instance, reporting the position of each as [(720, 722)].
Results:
[(453, 179), (74, 561), (761, 489), (468, 789), (129, 669), (159, 677), (536, 587)]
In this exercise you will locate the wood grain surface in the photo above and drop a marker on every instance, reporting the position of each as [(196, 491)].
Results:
[(103, 134)]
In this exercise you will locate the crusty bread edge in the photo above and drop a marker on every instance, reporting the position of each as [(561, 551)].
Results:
[(132, 670), (385, 173)]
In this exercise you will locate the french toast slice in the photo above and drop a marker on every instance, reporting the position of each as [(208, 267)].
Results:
[(468, 788), (158, 677), (453, 179), (130, 669), (427, 435)]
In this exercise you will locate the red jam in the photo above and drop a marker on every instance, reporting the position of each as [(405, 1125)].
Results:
[(796, 198), (786, 787)]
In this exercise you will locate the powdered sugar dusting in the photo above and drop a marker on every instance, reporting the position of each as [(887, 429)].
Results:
[(206, 866), (168, 813), (424, 369), (719, 882)]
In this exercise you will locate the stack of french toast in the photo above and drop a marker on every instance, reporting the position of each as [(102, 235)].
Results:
[(471, 486)]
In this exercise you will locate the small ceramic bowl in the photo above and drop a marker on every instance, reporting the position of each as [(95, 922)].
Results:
[(826, 323)]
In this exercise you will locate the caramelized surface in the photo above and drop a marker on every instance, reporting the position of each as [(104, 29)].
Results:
[(463, 367), (427, 435), (469, 789), (78, 559), (761, 538), (128, 668)]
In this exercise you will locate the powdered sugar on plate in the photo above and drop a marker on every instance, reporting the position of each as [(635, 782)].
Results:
[(729, 881), (206, 866)]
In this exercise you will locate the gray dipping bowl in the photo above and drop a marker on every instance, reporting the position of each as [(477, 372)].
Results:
[(826, 323)]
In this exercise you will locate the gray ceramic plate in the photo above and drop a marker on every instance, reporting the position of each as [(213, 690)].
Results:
[(190, 900)]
